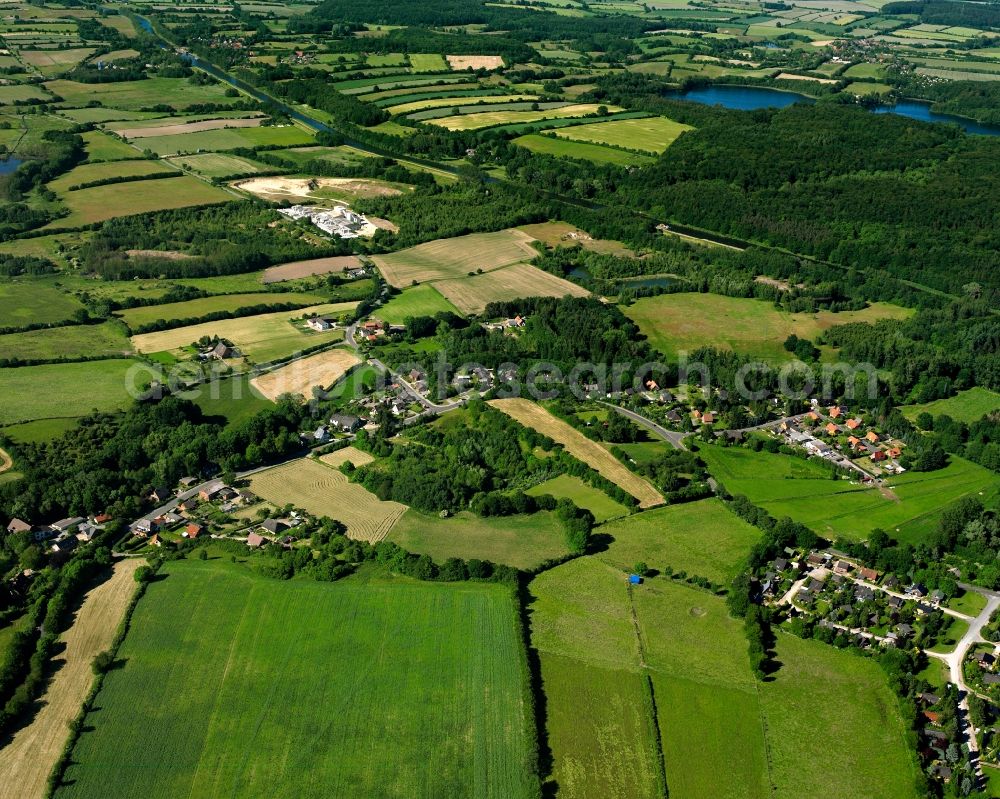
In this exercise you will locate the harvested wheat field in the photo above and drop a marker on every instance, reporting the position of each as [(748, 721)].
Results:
[(189, 127), (322, 369), (348, 454), (324, 491), (458, 62), (278, 189), (27, 760), (314, 266), (580, 447), (456, 257), (471, 294)]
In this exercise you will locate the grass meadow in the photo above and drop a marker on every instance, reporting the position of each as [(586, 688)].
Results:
[(29, 302), (702, 538), (263, 337), (651, 135), (39, 431), (133, 95), (63, 390), (219, 165), (193, 309), (967, 406), (103, 147), (789, 486), (427, 677), (423, 300), (583, 496), (99, 203), (455, 257), (75, 341), (583, 151), (520, 541), (489, 119), (227, 139), (685, 322), (602, 644), (472, 294), (233, 399)]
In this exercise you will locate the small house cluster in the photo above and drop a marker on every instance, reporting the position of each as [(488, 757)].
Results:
[(64, 535)]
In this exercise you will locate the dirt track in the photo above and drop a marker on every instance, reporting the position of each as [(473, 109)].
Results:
[(25, 762)]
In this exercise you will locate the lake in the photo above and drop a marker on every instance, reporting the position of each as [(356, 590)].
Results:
[(750, 98), (8, 165)]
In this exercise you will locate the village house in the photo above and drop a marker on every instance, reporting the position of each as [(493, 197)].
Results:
[(143, 527), (879, 455), (835, 412), (211, 491), (872, 436), (853, 424), (868, 574), (193, 530), (842, 567), (984, 659), (273, 526), (221, 352), (832, 429), (19, 526), (161, 494), (318, 324), (708, 418), (68, 525), (254, 540), (65, 543), (345, 423)]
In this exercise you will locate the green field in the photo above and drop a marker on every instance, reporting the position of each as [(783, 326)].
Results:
[(422, 300), (583, 496), (399, 689), (90, 173), (75, 341), (226, 139), (103, 147), (234, 399), (967, 406), (29, 302), (561, 148), (789, 486), (63, 390), (521, 541), (39, 431), (218, 165), (133, 95), (651, 135), (702, 538), (195, 309), (428, 62), (96, 204), (685, 322)]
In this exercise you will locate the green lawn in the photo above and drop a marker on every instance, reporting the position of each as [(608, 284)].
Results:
[(583, 496), (967, 406), (521, 541), (424, 300), (65, 389), (428, 62), (561, 148), (28, 302), (651, 135), (76, 341), (684, 322), (255, 687), (789, 486), (970, 603), (951, 635), (702, 538), (196, 309)]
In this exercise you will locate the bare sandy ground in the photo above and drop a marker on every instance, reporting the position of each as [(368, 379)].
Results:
[(304, 188)]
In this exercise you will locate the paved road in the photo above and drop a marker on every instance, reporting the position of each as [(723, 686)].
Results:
[(676, 439), (416, 395)]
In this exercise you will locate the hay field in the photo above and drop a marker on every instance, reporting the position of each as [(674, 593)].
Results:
[(651, 134), (455, 257), (471, 294), (449, 102), (262, 337), (314, 266), (27, 759), (322, 369), (348, 454), (180, 128), (489, 119), (218, 165), (579, 446), (458, 62), (323, 490), (99, 203)]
